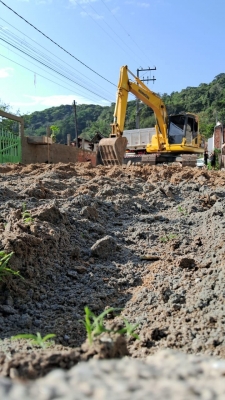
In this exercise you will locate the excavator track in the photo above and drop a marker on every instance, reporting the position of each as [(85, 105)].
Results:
[(189, 160)]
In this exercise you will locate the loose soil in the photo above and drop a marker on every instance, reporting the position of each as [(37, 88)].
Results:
[(148, 240)]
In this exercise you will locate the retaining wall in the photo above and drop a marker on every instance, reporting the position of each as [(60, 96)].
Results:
[(54, 153)]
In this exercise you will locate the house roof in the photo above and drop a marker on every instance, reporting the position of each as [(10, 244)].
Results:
[(98, 136)]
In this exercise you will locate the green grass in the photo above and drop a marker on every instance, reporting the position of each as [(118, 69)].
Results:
[(95, 325), (26, 215), (182, 210), (167, 238), (4, 270), (36, 340)]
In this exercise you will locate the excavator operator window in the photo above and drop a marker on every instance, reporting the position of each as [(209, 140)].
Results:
[(176, 128), (191, 129), (195, 129)]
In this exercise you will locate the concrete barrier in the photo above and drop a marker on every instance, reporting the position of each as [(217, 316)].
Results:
[(54, 153)]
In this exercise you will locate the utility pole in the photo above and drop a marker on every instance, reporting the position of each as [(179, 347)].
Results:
[(137, 100), (75, 118)]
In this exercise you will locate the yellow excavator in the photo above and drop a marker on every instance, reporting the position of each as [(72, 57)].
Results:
[(176, 137)]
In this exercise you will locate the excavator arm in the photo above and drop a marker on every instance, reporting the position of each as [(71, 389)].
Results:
[(142, 92), (111, 150)]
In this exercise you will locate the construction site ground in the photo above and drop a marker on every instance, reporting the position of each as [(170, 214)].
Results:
[(148, 240)]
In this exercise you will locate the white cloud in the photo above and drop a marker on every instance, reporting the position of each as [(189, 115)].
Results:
[(5, 72), (115, 10), (92, 15), (41, 102), (75, 2), (145, 5)]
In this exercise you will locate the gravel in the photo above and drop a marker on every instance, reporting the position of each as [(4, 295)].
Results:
[(166, 375)]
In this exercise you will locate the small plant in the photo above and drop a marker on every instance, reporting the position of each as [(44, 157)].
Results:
[(182, 210), (26, 215), (94, 325), (36, 340), (4, 270), (167, 238), (129, 329)]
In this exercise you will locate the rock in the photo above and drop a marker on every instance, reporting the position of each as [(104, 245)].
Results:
[(186, 262), (104, 247), (89, 212)]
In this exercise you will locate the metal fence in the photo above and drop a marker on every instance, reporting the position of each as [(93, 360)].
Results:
[(10, 147)]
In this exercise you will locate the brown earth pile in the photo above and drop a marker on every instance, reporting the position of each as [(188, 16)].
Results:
[(149, 240)]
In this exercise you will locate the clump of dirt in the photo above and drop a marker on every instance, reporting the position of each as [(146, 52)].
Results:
[(33, 363)]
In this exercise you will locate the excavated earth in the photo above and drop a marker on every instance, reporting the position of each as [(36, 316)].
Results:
[(147, 240)]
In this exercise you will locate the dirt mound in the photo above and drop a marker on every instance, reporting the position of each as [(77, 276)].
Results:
[(21, 360), (162, 262)]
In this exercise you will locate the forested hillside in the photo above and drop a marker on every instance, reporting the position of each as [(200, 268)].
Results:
[(207, 100)]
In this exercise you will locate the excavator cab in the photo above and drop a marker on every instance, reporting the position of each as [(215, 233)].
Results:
[(180, 126)]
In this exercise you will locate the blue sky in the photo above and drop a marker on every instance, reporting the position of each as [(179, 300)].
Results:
[(182, 38)]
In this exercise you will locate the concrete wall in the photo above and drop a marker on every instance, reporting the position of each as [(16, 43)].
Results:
[(54, 153), (211, 144), (84, 155)]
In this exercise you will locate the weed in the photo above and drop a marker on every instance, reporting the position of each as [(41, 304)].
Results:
[(94, 325), (182, 210), (129, 329), (209, 167), (36, 340), (167, 238), (4, 270), (26, 215)]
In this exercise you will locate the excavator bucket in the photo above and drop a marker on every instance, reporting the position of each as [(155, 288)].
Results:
[(111, 150)]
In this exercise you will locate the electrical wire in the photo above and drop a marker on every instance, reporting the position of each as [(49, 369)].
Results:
[(32, 51), (111, 37), (58, 58), (42, 76), (124, 29), (53, 69), (62, 48), (78, 91)]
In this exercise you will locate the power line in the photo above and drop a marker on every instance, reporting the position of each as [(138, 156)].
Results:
[(42, 76), (58, 58), (34, 72), (124, 29), (111, 37), (62, 48), (22, 51), (32, 51)]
